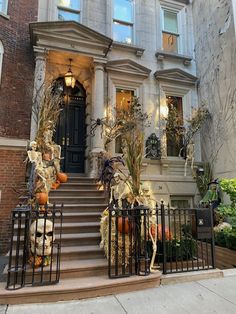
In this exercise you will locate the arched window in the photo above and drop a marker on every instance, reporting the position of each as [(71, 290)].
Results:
[(1, 58)]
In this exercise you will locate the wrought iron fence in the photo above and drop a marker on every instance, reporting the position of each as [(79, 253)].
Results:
[(172, 240), (127, 245), (34, 257), (185, 240)]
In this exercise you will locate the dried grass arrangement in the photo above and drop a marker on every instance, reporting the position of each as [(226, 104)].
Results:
[(48, 114), (104, 225)]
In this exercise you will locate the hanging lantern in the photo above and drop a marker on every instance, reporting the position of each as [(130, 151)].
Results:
[(69, 78)]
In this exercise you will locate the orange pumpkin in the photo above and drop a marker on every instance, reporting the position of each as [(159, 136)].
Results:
[(41, 198), (62, 177), (168, 233), (55, 185), (127, 225)]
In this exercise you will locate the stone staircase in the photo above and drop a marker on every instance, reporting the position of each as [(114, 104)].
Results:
[(84, 271)]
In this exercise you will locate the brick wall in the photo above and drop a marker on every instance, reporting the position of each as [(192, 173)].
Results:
[(18, 69), (12, 172)]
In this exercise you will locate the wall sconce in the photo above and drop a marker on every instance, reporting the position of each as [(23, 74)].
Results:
[(69, 78)]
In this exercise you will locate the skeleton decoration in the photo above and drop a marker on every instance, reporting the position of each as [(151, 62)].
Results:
[(189, 156), (42, 237), (120, 190)]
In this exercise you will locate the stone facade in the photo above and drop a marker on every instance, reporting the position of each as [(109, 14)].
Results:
[(215, 46), (102, 66)]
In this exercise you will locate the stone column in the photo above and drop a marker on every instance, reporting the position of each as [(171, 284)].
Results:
[(97, 113), (39, 78)]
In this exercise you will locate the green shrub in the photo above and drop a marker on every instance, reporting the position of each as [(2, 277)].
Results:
[(226, 238)]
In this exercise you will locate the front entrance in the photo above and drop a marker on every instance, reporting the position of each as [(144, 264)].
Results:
[(71, 129)]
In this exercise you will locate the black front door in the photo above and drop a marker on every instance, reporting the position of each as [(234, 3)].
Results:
[(71, 130)]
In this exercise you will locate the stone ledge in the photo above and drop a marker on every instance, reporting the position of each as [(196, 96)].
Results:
[(161, 55), (13, 143), (135, 49)]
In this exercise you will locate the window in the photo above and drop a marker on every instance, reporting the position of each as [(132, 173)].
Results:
[(123, 21), (181, 201), (174, 125), (123, 99), (3, 6), (68, 10), (1, 58), (170, 35)]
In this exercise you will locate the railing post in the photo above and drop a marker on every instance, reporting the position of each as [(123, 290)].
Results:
[(212, 237), (163, 236)]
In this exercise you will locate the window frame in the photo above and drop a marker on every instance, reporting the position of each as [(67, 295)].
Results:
[(1, 58), (67, 9), (163, 31), (189, 198), (132, 90), (124, 23), (4, 13)]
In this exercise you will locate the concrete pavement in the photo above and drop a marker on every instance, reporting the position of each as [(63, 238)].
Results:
[(216, 296)]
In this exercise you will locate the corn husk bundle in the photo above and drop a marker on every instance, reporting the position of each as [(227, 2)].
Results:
[(104, 230), (48, 115)]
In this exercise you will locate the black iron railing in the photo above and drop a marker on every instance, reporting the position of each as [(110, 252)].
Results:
[(127, 245), (34, 257), (183, 239)]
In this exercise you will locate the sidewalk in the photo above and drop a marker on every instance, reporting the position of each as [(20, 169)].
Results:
[(204, 296)]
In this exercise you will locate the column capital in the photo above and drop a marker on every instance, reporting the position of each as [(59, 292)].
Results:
[(99, 63), (40, 53)]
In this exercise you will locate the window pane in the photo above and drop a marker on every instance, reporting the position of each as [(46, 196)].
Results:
[(170, 22), (170, 42), (72, 4), (122, 33), (123, 10), (123, 100), (68, 16), (3, 5)]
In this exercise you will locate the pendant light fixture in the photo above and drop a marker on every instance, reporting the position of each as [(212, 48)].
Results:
[(69, 78)]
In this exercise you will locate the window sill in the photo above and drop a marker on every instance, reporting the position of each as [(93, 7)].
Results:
[(161, 55), (136, 50), (7, 17)]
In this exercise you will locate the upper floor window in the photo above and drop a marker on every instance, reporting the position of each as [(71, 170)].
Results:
[(123, 21), (69, 10), (1, 58), (170, 34), (3, 6)]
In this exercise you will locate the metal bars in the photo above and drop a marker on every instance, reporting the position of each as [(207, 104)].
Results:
[(183, 237), (34, 257), (127, 242)]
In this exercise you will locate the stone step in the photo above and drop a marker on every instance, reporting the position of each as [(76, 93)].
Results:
[(72, 227), (77, 200), (75, 252), (77, 208), (71, 269), (80, 179), (81, 217), (73, 239), (75, 192), (78, 185), (78, 288)]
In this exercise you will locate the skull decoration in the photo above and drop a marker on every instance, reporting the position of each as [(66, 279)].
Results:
[(41, 239)]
